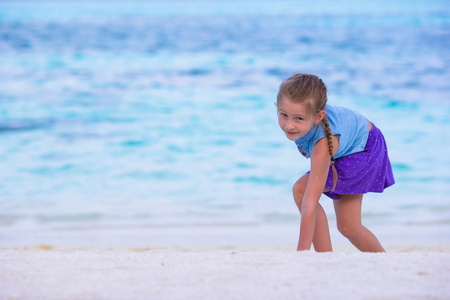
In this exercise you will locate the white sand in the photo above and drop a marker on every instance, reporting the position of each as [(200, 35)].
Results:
[(220, 274)]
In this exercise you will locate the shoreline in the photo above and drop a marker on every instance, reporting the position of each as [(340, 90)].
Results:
[(266, 237), (201, 249)]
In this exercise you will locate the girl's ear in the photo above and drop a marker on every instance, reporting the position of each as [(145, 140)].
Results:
[(319, 117)]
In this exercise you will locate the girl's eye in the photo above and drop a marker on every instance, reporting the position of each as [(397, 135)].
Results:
[(283, 115), (299, 119)]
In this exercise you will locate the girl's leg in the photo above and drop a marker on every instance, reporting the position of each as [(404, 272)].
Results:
[(348, 215), (321, 239)]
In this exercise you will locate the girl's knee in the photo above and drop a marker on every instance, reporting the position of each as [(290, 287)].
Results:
[(298, 190), (349, 230), (300, 184)]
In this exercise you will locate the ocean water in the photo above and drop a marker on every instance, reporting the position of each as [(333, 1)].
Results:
[(152, 123)]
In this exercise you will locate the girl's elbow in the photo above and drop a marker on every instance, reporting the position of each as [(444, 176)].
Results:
[(308, 208)]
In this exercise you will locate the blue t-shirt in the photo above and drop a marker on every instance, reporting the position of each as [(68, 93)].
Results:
[(350, 127)]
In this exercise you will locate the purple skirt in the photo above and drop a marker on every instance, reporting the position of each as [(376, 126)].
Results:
[(362, 172)]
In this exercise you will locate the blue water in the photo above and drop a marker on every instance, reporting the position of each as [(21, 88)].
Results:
[(152, 123)]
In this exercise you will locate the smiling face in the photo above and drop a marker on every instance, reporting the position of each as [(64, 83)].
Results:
[(295, 119)]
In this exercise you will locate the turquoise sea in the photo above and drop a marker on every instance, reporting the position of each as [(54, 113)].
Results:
[(152, 123)]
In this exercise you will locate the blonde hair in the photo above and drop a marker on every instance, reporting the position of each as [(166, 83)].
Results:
[(312, 92)]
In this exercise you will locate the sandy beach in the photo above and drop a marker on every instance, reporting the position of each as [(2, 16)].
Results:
[(221, 274)]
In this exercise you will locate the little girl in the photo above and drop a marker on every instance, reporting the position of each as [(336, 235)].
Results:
[(348, 158)]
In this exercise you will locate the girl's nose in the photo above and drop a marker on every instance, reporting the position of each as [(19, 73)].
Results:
[(289, 124)]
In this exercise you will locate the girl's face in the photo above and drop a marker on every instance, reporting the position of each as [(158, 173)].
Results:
[(294, 119)]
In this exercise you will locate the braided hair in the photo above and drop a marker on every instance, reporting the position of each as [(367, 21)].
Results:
[(311, 91)]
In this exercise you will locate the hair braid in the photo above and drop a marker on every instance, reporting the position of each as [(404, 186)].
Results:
[(326, 127), (312, 92)]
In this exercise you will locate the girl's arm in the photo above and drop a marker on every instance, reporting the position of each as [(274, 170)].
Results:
[(320, 163)]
